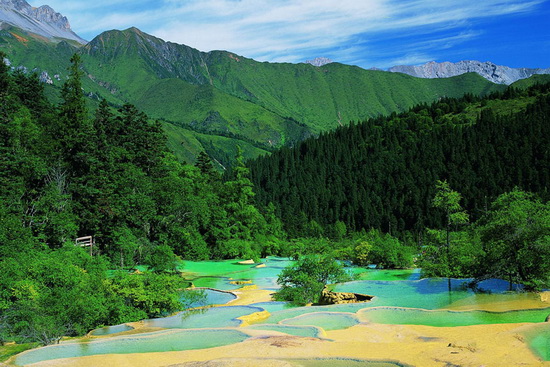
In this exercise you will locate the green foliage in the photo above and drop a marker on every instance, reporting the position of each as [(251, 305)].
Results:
[(361, 253), (243, 217), (457, 261), (449, 201), (515, 234), (388, 252), (303, 282), (238, 249), (51, 294), (443, 256), (380, 173), (64, 174), (147, 295), (162, 259)]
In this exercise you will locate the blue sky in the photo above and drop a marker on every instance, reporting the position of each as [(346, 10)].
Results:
[(367, 33)]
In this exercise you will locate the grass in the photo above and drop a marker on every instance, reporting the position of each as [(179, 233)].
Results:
[(9, 350)]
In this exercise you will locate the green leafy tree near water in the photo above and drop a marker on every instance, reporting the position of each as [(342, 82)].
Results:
[(439, 255), (303, 282), (515, 235)]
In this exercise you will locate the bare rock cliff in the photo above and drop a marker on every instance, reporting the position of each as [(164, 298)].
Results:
[(492, 72), (42, 20)]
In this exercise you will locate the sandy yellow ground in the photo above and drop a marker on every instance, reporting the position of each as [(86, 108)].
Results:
[(250, 294), (479, 345), (487, 303)]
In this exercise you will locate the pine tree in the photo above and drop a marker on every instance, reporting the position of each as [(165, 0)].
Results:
[(244, 218)]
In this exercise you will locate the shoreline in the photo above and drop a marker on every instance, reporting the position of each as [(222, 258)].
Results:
[(416, 345)]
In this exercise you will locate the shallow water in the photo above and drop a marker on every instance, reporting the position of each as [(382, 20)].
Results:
[(385, 274), (400, 298), (305, 331), (172, 340), (108, 330), (443, 318), (213, 297), (279, 316), (221, 283), (539, 341), (216, 317), (274, 306), (428, 294), (325, 320)]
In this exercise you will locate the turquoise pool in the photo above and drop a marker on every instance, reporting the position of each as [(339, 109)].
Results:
[(171, 340)]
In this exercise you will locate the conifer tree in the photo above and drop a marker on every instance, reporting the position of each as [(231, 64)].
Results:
[(244, 219)]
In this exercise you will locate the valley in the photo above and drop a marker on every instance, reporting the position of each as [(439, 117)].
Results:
[(166, 206)]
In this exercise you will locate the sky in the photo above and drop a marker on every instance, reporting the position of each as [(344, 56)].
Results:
[(366, 33)]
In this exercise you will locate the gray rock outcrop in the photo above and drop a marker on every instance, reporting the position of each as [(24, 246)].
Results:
[(490, 71), (43, 20)]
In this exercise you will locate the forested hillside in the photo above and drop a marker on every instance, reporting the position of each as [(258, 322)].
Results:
[(381, 173), (64, 175), (214, 101)]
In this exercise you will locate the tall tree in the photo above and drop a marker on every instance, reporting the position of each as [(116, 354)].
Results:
[(244, 218), (442, 255), (515, 235), (449, 201), (74, 123)]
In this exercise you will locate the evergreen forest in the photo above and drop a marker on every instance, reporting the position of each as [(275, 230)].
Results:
[(381, 173), (67, 172)]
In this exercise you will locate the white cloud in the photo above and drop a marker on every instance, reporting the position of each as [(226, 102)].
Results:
[(289, 30)]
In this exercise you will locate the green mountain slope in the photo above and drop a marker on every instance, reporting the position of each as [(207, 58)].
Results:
[(187, 144), (320, 97), (381, 173), (535, 79), (221, 94), (203, 108)]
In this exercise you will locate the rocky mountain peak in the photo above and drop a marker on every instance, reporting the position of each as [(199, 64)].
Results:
[(319, 61), (43, 20), (495, 73), (48, 15), (16, 4)]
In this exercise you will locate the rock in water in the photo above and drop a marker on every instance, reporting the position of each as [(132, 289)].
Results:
[(334, 298)]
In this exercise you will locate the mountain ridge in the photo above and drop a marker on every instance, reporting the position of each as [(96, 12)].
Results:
[(42, 20), (262, 105), (498, 74)]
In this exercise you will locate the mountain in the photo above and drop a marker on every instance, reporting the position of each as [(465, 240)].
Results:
[(43, 20), (217, 100), (492, 72), (382, 173), (320, 98), (319, 61)]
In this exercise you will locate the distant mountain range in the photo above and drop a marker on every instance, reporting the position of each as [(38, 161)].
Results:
[(319, 61), (214, 101), (494, 73)]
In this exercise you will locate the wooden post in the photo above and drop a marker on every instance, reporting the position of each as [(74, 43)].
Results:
[(86, 241)]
